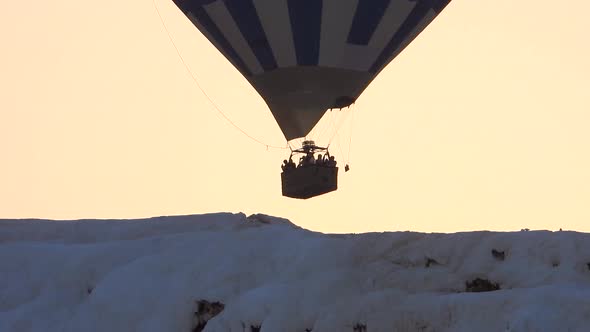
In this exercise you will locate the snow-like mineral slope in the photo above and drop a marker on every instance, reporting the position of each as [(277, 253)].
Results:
[(267, 274)]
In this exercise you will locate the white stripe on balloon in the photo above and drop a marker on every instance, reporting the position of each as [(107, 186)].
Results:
[(225, 22), (275, 20)]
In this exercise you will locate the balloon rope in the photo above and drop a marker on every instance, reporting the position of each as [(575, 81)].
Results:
[(328, 124), (351, 132), (217, 108), (337, 136), (339, 146), (339, 125)]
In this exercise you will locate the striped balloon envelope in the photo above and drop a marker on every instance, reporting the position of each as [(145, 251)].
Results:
[(307, 56)]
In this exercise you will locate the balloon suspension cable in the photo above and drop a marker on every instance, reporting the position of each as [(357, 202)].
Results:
[(351, 132), (337, 134), (329, 124), (339, 125), (350, 136), (215, 106)]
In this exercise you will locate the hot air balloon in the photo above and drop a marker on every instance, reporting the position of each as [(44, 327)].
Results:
[(305, 57)]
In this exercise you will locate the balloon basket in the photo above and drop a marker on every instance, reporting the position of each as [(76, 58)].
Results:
[(309, 181)]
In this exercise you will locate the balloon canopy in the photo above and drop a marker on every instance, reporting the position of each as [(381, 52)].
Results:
[(307, 56)]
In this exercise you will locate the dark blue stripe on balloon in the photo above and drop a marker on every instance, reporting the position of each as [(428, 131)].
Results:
[(418, 13), (306, 24), (198, 2), (367, 17), (195, 8), (246, 17)]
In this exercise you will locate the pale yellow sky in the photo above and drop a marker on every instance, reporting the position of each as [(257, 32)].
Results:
[(481, 123)]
